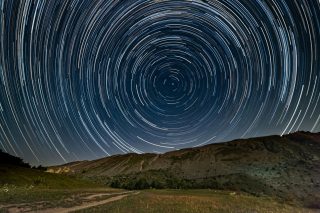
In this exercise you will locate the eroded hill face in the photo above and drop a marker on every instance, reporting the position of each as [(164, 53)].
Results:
[(287, 167)]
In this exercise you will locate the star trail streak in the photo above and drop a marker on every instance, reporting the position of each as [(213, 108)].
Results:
[(85, 79)]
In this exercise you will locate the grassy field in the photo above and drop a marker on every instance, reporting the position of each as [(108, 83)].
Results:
[(26, 177), (30, 189), (18, 195), (145, 201), (194, 201), (19, 200)]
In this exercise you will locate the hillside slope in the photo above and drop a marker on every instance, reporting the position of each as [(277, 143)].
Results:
[(287, 167), (14, 173)]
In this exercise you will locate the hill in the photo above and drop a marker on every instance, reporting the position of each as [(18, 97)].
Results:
[(14, 172), (7, 159), (285, 167)]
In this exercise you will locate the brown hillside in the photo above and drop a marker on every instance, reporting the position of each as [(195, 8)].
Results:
[(287, 167)]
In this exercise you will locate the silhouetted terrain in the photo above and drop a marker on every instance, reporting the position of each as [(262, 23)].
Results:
[(285, 167), (7, 159)]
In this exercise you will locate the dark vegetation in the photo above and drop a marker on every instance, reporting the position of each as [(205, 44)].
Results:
[(160, 179), (7, 159)]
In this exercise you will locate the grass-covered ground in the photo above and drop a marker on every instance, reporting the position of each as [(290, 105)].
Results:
[(30, 178), (13, 198), (17, 195), (195, 201), (41, 200), (25, 189)]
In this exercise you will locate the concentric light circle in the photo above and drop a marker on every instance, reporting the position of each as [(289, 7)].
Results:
[(84, 79)]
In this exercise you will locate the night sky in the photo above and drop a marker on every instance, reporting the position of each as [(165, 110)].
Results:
[(83, 79)]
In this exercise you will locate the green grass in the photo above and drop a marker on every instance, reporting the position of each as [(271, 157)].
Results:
[(37, 190), (31, 178), (25, 185), (39, 199), (10, 194), (148, 201), (194, 201)]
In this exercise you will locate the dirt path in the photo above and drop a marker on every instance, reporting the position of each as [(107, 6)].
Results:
[(88, 203), (90, 197)]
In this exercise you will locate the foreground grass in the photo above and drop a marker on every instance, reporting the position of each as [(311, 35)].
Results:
[(21, 187), (23, 177), (194, 201), (40, 199), (26, 195)]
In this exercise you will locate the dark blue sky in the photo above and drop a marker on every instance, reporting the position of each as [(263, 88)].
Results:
[(86, 79)]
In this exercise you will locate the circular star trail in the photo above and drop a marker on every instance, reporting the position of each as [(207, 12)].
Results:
[(85, 79)]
